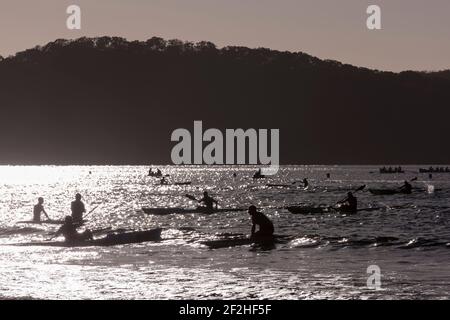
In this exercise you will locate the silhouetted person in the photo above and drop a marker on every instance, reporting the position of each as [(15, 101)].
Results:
[(258, 174), (234, 175), (406, 188), (430, 175), (38, 209), (77, 208), (208, 201), (349, 204), (264, 223), (69, 231), (305, 183), (328, 176), (163, 181)]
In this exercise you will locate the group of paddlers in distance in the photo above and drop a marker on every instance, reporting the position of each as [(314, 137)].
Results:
[(391, 170), (265, 226)]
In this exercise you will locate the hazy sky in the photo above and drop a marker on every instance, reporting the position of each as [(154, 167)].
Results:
[(415, 33)]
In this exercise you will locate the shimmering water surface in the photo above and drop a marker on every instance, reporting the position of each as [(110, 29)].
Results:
[(326, 257)]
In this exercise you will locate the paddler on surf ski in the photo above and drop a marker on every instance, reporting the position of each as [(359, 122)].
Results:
[(70, 233), (349, 204), (406, 188), (208, 201)]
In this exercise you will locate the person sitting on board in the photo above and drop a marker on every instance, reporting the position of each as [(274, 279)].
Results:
[(77, 208), (258, 174), (70, 233), (349, 204), (38, 209), (305, 183), (406, 187), (266, 228), (208, 201)]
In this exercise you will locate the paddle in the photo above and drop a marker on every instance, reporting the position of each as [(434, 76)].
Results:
[(190, 197), (91, 211)]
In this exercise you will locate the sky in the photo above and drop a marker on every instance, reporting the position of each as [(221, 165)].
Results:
[(414, 34)]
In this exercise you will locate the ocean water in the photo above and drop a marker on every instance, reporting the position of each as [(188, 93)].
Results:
[(326, 255)]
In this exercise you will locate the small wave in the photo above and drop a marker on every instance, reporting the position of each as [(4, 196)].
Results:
[(423, 243), (305, 242)]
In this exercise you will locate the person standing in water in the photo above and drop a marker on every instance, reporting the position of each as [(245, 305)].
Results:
[(266, 228), (38, 209), (77, 208)]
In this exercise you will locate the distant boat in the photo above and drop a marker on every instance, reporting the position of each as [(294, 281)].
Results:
[(391, 170), (434, 170)]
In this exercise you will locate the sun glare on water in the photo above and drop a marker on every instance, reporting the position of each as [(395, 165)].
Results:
[(13, 175)]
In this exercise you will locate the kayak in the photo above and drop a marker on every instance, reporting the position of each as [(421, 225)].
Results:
[(434, 171), (228, 243), (318, 210), (112, 239), (187, 183), (308, 210), (256, 176), (386, 191), (293, 186), (391, 171), (48, 222), (165, 211), (278, 185)]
